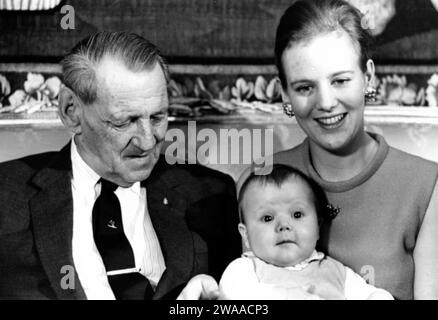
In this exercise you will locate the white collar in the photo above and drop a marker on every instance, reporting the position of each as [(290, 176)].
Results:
[(83, 176), (315, 256)]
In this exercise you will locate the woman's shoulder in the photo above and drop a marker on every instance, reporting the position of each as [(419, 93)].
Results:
[(410, 172), (406, 159), (403, 166), (399, 158)]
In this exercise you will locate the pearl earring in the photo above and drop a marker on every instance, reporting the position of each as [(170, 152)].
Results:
[(370, 94), (288, 110)]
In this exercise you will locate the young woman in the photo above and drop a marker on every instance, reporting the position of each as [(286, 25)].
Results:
[(387, 226)]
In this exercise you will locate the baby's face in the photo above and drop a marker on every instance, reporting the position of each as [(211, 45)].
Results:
[(281, 224)]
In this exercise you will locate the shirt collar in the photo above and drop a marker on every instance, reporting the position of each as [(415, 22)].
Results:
[(83, 175), (135, 188), (315, 256)]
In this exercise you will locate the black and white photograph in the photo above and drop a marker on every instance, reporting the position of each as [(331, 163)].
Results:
[(155, 150)]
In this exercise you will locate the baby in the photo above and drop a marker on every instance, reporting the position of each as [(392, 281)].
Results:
[(280, 217)]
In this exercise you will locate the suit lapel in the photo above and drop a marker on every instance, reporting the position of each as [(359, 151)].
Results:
[(167, 210), (52, 217)]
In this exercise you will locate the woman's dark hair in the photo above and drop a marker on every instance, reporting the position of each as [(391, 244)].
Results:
[(278, 176), (305, 19)]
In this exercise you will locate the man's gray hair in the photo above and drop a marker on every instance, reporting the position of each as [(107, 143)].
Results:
[(79, 65)]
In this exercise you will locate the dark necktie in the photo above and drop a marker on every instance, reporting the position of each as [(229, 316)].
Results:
[(114, 247)]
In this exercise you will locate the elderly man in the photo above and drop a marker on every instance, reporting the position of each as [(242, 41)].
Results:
[(106, 217)]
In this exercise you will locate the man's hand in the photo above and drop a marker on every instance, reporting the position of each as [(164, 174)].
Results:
[(200, 287)]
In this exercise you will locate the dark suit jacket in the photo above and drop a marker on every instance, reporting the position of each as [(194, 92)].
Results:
[(197, 228)]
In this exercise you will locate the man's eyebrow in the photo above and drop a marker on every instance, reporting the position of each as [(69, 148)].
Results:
[(121, 117), (161, 111)]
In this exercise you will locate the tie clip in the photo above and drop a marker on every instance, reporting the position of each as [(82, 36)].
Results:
[(121, 271)]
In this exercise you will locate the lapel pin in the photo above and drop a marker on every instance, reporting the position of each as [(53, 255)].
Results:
[(165, 201), (111, 224)]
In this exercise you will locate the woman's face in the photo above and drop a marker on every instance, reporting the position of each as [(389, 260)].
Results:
[(326, 88)]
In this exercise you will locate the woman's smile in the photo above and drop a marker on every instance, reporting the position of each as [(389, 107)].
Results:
[(331, 122)]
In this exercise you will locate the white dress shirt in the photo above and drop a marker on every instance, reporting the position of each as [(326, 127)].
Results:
[(137, 225)]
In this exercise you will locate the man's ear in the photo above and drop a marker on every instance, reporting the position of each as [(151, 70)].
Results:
[(244, 235), (70, 109)]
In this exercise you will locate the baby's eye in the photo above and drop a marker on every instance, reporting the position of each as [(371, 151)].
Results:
[(267, 218), (297, 214)]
